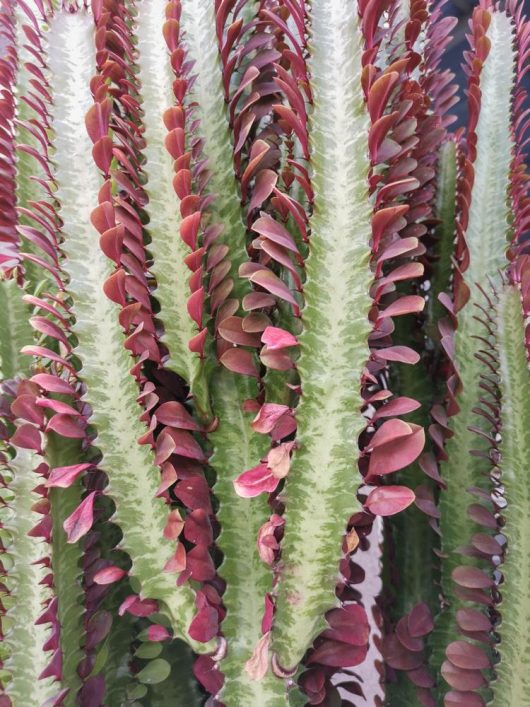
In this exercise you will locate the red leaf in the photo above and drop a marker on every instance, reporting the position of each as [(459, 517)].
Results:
[(462, 679), (27, 437), (175, 414), (463, 699), (52, 384), (398, 657), (274, 231), (257, 300), (404, 305), (208, 674), (272, 283), (420, 620), (397, 406), (466, 656), (398, 449), (338, 655), (389, 500), (265, 183), (185, 444), (80, 521), (471, 578), (97, 119), (64, 476), (205, 624), (402, 354), (239, 361), (348, 624), (66, 426), (231, 329), (277, 360)]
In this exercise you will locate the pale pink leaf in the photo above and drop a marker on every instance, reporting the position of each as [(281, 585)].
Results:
[(108, 575), (256, 667)]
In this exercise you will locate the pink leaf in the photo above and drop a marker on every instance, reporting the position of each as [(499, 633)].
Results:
[(156, 633), (64, 476), (80, 521), (268, 614), (276, 338), (108, 575), (389, 500), (257, 480)]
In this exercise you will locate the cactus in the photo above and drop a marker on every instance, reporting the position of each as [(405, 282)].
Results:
[(263, 316)]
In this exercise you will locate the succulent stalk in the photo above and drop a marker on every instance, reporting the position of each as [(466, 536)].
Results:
[(257, 294)]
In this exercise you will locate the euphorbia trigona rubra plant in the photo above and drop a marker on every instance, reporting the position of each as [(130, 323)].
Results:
[(263, 330)]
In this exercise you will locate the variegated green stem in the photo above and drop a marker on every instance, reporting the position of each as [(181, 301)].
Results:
[(320, 493), (111, 390), (486, 239), (445, 236), (198, 26), (15, 328), (512, 686), (66, 563), (167, 247), (248, 579), (24, 639)]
